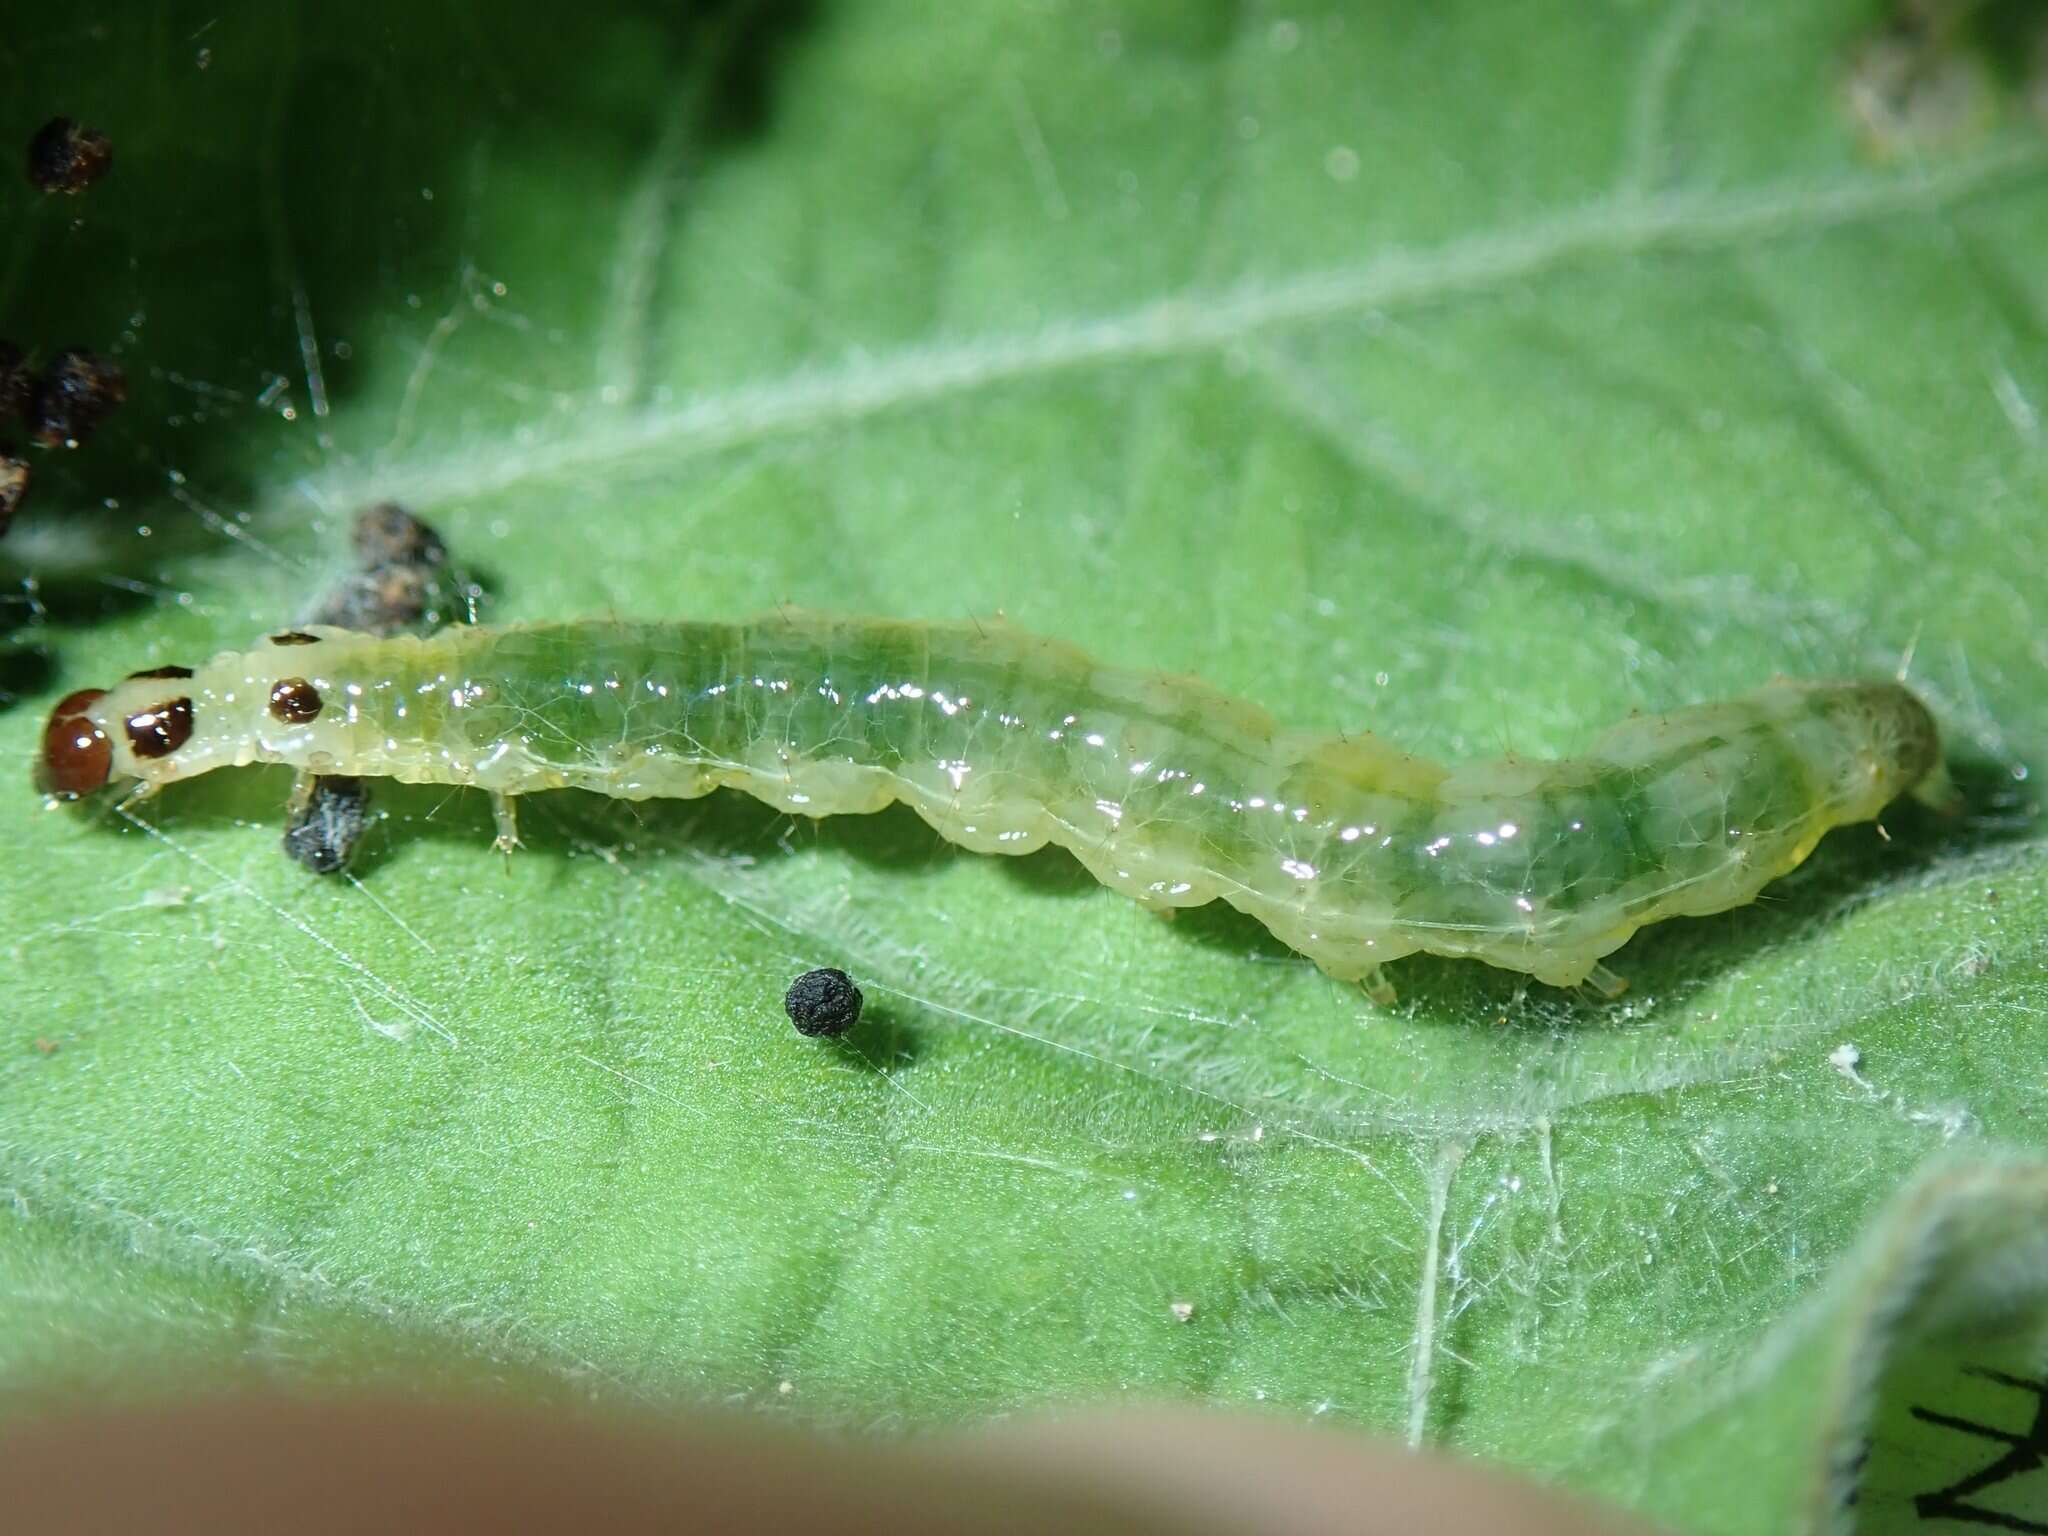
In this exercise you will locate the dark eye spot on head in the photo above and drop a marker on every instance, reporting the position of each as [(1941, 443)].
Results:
[(76, 755), (295, 637), (295, 701), (160, 731), (163, 672)]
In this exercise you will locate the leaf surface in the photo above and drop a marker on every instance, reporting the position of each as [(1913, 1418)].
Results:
[(1472, 377)]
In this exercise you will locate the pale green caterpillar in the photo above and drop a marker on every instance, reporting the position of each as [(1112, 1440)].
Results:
[(1168, 791)]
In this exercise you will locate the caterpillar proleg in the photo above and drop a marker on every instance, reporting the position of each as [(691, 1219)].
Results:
[(1349, 851)]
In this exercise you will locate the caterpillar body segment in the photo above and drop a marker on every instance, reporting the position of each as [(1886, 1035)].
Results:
[(1348, 850)]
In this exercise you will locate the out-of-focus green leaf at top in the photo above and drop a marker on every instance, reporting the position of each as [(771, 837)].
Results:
[(1473, 374)]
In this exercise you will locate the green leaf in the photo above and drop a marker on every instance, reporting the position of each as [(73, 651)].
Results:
[(1471, 374)]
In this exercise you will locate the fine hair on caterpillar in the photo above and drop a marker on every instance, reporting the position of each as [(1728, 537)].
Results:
[(1350, 851)]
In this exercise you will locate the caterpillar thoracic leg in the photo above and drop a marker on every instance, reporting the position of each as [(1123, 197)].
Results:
[(503, 812), (1607, 983)]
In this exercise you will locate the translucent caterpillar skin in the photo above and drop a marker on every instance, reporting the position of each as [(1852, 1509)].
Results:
[(1349, 851)]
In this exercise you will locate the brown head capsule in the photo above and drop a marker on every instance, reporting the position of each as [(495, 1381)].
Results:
[(295, 701), (76, 755), (294, 637), (161, 672), (160, 730)]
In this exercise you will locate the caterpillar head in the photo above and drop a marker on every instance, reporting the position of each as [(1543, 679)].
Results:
[(1890, 744), (131, 731), (164, 724)]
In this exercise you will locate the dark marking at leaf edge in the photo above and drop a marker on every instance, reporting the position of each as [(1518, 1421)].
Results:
[(2026, 1452)]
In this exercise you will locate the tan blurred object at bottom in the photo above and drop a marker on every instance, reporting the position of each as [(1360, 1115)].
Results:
[(263, 1464)]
